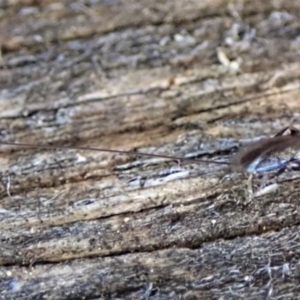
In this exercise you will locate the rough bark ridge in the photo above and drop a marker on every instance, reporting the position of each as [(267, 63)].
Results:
[(174, 77)]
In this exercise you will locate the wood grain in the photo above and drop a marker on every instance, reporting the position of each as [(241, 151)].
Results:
[(196, 78)]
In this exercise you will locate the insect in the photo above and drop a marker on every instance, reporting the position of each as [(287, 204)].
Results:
[(275, 154)]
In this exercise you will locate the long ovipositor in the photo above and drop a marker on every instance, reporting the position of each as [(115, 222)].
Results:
[(132, 153), (257, 157)]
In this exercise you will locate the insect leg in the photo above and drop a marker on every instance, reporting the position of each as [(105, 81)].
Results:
[(293, 131)]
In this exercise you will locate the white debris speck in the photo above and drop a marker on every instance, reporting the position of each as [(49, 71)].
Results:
[(80, 158)]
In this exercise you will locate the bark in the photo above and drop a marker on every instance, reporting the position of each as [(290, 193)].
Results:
[(196, 78)]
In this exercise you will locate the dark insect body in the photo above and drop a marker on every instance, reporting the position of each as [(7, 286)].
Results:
[(278, 153)]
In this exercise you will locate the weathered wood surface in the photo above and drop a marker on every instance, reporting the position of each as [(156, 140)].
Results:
[(146, 76)]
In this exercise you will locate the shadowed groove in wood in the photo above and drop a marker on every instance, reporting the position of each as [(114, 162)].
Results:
[(202, 271)]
